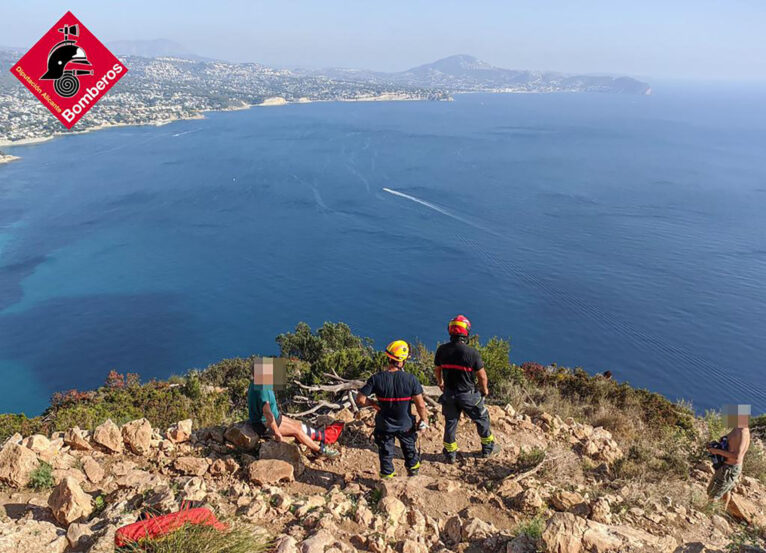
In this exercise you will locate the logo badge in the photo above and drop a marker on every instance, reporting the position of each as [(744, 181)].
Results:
[(69, 70)]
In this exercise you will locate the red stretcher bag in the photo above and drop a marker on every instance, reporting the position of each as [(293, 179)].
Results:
[(332, 433), (162, 525)]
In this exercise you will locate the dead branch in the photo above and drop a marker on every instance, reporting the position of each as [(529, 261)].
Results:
[(317, 407), (352, 401), (529, 472)]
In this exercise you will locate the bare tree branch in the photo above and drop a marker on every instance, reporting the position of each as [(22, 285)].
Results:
[(317, 407)]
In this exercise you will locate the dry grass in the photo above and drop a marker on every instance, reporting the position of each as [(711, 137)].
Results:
[(755, 461), (204, 539)]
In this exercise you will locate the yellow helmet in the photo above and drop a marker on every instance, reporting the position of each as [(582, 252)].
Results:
[(398, 350)]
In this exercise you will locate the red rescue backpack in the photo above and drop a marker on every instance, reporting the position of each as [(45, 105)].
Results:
[(154, 527), (332, 433)]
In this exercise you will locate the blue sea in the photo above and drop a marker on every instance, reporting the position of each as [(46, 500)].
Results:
[(609, 232)]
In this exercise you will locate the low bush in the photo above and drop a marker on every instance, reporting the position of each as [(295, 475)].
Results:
[(530, 459), (42, 477), (532, 528)]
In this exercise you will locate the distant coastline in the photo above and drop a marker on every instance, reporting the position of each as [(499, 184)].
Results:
[(268, 102)]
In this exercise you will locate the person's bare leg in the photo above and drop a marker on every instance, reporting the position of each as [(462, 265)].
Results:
[(293, 429), (725, 499)]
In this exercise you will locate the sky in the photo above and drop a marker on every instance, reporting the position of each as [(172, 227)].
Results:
[(701, 39)]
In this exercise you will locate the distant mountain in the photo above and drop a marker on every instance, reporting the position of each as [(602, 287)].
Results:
[(464, 73), (158, 48)]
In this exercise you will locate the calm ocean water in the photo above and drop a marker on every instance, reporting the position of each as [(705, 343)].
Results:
[(608, 232)]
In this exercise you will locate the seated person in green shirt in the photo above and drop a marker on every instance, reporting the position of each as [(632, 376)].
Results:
[(269, 422)]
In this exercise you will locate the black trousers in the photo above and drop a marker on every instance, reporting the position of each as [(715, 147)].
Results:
[(470, 403), (386, 442)]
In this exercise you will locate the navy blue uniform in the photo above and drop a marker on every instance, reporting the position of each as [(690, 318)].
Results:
[(459, 363), (394, 391)]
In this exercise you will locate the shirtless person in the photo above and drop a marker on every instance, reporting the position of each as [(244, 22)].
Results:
[(726, 476)]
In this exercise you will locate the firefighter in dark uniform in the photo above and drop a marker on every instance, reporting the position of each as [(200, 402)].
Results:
[(461, 376), (395, 390)]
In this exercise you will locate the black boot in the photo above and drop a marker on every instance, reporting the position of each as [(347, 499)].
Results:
[(488, 450), (449, 456)]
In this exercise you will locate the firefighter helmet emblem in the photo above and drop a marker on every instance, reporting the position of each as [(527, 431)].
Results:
[(64, 63)]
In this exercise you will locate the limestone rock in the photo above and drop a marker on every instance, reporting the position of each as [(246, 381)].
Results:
[(477, 530), (530, 501), (162, 499), (283, 451), (600, 510), (453, 529), (393, 509), (270, 471), (92, 469), (746, 510), (597, 539), (37, 443), (286, 544), (108, 436), (15, 439), (242, 435), (78, 534), (521, 544), (195, 489), (221, 467), (344, 415), (192, 466), (563, 500), (75, 439), (69, 503), (317, 542), (17, 463), (563, 533), (181, 432), (411, 546), (60, 474), (32, 536), (137, 435)]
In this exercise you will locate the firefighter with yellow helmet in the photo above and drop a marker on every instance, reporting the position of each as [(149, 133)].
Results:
[(395, 391)]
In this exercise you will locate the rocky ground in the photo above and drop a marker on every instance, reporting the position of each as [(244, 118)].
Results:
[(547, 491)]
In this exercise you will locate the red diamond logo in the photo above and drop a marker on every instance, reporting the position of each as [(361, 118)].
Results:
[(69, 70)]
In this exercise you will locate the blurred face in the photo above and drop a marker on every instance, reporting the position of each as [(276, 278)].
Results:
[(263, 371), (736, 415), (268, 371)]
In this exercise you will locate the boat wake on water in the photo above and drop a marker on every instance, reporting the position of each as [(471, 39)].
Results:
[(441, 210), (673, 353)]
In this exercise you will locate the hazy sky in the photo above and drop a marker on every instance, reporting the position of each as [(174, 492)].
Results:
[(700, 39)]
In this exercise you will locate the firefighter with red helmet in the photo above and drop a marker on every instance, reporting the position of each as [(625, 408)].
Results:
[(460, 374), (395, 391)]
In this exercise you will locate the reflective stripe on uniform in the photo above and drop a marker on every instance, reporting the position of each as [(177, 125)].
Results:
[(488, 440), (450, 448), (416, 466), (395, 399), (457, 368), (385, 476)]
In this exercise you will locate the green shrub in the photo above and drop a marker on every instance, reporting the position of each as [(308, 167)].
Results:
[(715, 425), (11, 423), (532, 528), (530, 459), (99, 504), (42, 477), (193, 386)]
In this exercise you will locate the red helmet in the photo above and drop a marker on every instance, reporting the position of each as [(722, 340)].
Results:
[(459, 325)]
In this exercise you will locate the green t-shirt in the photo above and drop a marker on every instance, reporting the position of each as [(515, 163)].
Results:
[(257, 395)]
